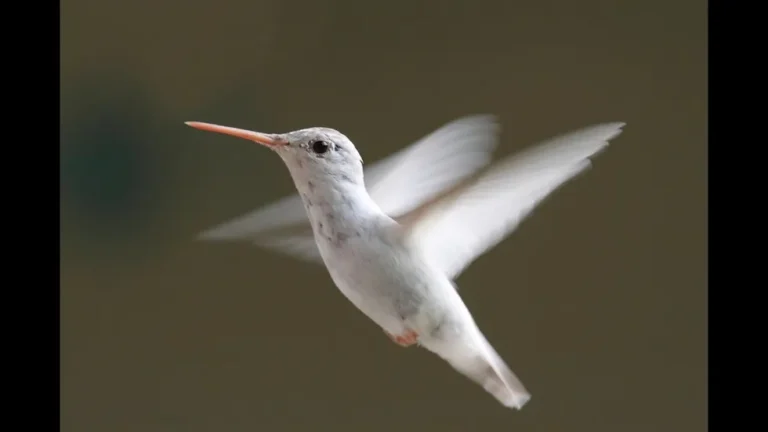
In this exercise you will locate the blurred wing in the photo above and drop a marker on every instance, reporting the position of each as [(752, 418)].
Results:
[(464, 222), (300, 245), (398, 183), (283, 213), (433, 164)]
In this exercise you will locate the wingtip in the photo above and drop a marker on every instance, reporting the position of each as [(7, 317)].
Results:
[(519, 401), (618, 129), (202, 237), (209, 235), (221, 233), (606, 131), (614, 125)]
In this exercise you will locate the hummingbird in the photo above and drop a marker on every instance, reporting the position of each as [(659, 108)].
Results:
[(395, 236)]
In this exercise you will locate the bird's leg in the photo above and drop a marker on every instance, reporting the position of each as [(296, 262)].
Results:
[(407, 338)]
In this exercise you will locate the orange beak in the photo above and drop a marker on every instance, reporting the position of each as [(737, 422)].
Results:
[(267, 140)]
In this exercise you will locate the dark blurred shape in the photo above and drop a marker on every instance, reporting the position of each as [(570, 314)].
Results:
[(109, 177)]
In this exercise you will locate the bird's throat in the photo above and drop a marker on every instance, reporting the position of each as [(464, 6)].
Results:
[(339, 212)]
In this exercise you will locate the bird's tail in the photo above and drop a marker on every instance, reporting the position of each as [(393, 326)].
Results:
[(483, 365)]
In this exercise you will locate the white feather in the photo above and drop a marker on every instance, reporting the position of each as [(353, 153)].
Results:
[(457, 228), (301, 246)]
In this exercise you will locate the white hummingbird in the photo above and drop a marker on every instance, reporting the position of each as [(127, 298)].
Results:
[(394, 242)]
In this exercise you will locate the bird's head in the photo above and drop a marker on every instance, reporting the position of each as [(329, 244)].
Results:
[(314, 155)]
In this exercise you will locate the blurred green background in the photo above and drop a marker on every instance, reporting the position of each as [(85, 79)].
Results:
[(598, 301)]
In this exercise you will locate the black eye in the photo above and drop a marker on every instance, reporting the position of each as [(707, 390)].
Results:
[(319, 147)]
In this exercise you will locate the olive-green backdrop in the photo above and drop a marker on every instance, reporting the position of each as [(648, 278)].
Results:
[(598, 301)]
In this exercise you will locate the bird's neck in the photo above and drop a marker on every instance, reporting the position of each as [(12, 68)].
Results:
[(338, 210)]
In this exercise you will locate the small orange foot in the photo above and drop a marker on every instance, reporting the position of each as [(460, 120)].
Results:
[(408, 338)]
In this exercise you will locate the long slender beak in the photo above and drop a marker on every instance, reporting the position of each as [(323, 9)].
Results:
[(267, 140)]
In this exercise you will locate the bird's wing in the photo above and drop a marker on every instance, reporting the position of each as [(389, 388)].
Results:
[(282, 213), (398, 184), (300, 245), (465, 221), (433, 164)]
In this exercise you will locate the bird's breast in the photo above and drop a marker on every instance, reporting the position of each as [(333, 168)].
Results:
[(382, 278)]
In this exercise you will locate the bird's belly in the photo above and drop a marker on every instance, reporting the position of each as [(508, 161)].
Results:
[(377, 309), (385, 284)]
